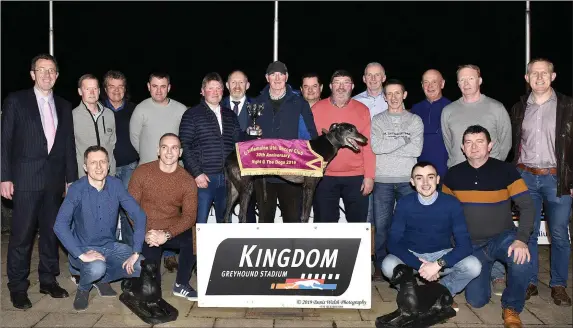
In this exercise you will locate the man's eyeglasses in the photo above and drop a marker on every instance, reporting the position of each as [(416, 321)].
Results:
[(43, 71)]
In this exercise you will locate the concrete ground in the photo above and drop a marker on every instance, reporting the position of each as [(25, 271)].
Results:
[(110, 312)]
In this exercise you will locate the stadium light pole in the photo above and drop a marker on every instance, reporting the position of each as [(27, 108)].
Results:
[(527, 34), (51, 28), (276, 36)]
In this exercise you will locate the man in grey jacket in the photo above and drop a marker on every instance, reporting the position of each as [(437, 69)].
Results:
[(94, 124), (397, 138)]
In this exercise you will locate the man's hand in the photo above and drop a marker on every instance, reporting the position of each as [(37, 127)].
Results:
[(91, 256), (130, 262), (202, 181), (367, 186), (520, 252), (155, 238), (429, 270), (7, 188)]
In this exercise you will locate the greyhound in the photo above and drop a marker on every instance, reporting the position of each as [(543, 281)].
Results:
[(418, 306), (326, 145)]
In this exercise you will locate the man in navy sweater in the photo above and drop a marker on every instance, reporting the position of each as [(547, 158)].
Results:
[(421, 231)]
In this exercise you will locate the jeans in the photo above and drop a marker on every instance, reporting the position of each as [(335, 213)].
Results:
[(184, 243), (124, 174), (385, 197), (216, 192), (478, 291), (104, 271), (454, 279), (370, 217), (543, 190), (327, 199)]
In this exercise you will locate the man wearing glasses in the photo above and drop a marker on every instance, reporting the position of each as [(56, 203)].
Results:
[(38, 165)]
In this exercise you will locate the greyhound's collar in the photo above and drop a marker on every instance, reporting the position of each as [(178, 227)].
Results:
[(332, 140)]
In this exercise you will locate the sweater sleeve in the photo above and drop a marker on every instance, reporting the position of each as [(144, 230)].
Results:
[(64, 220), (396, 244), (380, 145), (135, 126), (188, 216), (368, 156), (504, 135), (414, 147), (446, 133), (191, 152), (308, 119), (135, 186), (519, 193), (463, 245)]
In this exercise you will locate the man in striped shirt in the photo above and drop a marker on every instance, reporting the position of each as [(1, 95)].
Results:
[(485, 186)]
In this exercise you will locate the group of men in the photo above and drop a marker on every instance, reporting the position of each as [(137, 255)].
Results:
[(159, 166)]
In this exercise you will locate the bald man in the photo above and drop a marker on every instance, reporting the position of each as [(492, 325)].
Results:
[(430, 110)]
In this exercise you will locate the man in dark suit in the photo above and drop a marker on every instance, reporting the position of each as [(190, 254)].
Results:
[(38, 165), (238, 84)]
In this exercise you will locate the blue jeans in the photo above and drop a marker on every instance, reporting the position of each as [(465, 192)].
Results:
[(454, 279), (124, 174), (370, 217), (384, 200), (216, 192), (104, 271), (543, 190), (478, 291)]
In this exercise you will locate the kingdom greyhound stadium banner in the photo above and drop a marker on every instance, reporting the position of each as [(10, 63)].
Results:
[(296, 265), (543, 238)]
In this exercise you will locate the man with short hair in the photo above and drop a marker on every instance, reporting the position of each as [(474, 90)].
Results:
[(168, 195), (421, 231), (94, 124), (349, 175), (430, 111), (126, 157), (485, 186), (238, 84), (86, 226), (208, 134), (543, 139), (280, 119), (151, 119), (311, 88), (397, 139), (38, 165)]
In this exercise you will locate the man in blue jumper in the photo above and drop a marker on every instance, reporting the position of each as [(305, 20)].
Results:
[(86, 225), (430, 110), (421, 231)]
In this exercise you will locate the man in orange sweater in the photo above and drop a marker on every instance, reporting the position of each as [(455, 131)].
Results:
[(349, 175), (168, 195)]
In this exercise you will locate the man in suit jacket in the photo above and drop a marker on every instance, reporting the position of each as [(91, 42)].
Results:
[(208, 133), (38, 164), (238, 84)]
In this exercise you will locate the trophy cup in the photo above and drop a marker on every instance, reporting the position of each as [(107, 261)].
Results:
[(255, 110)]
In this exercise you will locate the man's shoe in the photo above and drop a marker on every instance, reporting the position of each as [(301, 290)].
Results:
[(185, 291), (498, 286), (82, 300), (511, 319), (54, 290), (560, 296), (170, 263), (104, 289), (531, 291), (20, 300)]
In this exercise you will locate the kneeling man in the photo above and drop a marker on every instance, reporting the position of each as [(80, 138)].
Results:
[(86, 225), (168, 195), (421, 231)]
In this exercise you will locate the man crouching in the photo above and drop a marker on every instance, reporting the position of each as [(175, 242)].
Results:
[(86, 225)]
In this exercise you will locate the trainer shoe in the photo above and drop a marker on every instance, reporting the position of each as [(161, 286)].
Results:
[(498, 286), (185, 291), (104, 289), (82, 300)]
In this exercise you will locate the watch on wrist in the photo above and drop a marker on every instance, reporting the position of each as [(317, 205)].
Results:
[(441, 262), (167, 235)]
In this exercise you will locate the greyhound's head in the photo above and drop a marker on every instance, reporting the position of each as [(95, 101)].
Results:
[(345, 135), (402, 273)]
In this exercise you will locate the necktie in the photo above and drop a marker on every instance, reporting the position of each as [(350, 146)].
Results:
[(236, 107), (49, 127)]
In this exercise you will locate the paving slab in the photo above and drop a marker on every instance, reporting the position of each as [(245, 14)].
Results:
[(279, 323), (246, 323), (279, 313), (34, 299), (378, 309), (17, 319), (217, 312), (551, 314), (333, 314), (67, 320), (117, 320), (491, 314), (465, 316), (189, 322), (354, 324)]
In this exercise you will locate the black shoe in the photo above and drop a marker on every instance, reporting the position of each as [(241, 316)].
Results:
[(104, 289), (54, 290), (20, 300), (82, 300)]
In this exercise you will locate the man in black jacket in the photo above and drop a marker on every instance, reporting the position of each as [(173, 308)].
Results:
[(542, 124), (208, 133)]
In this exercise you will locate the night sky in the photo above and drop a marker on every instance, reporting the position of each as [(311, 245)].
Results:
[(190, 39)]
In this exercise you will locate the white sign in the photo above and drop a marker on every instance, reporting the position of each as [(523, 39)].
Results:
[(294, 265)]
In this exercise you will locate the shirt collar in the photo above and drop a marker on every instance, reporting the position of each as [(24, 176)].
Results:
[(39, 95), (531, 98), (430, 201), (110, 106)]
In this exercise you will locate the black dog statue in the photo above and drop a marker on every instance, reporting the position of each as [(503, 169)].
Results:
[(326, 145), (143, 297), (418, 305)]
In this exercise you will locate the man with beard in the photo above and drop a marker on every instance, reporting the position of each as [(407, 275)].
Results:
[(349, 175)]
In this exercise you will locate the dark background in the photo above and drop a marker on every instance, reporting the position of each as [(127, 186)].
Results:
[(190, 39)]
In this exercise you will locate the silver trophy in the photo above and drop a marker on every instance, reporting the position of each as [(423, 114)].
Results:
[(255, 111)]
